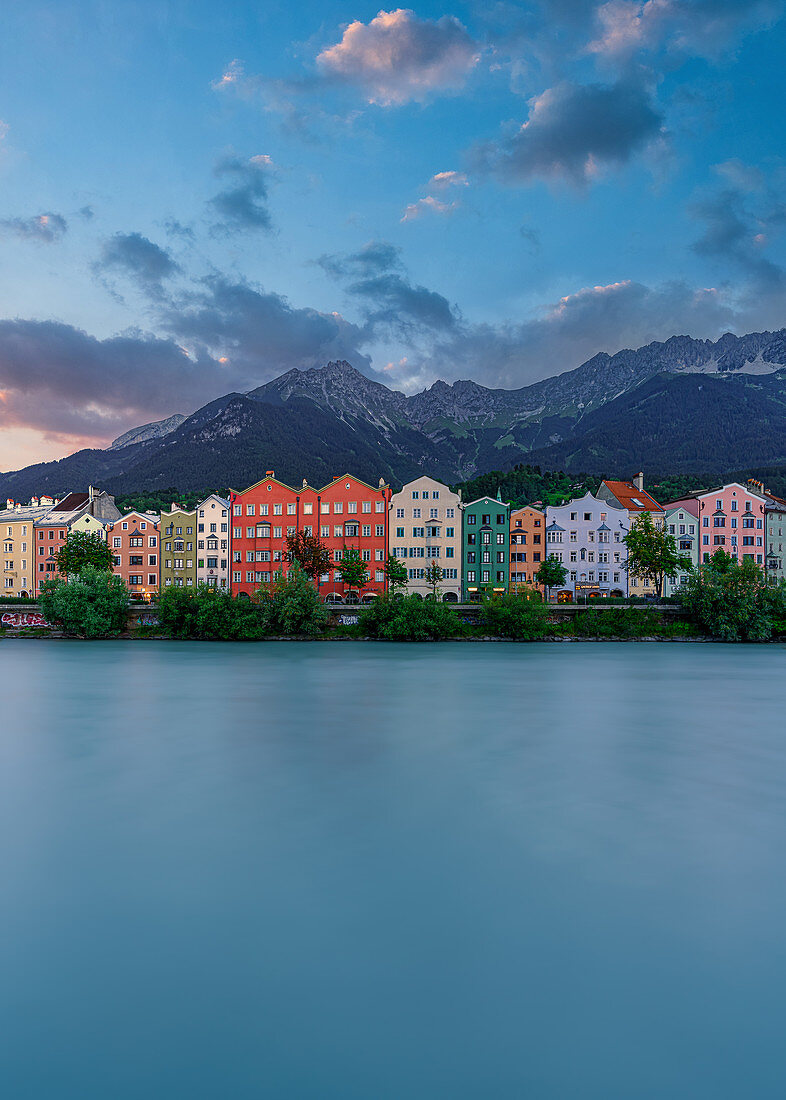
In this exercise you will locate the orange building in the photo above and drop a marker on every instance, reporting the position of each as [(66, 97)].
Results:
[(133, 540), (527, 547), (345, 512)]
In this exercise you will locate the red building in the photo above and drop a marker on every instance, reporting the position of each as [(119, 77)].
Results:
[(345, 512), (133, 540)]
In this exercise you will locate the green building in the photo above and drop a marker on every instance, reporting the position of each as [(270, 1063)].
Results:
[(484, 548), (178, 548)]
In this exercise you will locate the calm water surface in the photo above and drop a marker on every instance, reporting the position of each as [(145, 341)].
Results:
[(392, 872)]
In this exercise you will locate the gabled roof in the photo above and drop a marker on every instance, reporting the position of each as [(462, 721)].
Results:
[(635, 500), (490, 500)]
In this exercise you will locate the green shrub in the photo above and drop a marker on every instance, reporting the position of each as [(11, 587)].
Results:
[(92, 605), (206, 613), (732, 601), (294, 605), (410, 620), (515, 616), (619, 623)]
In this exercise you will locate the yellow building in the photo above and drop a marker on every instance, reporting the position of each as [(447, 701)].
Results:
[(16, 531)]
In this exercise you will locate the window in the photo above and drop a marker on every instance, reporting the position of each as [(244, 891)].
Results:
[(450, 513), (486, 519), (416, 513), (366, 530), (500, 518), (352, 506), (471, 520), (500, 539), (425, 494), (249, 509), (380, 530), (415, 494), (380, 507), (366, 505), (308, 509), (433, 513)]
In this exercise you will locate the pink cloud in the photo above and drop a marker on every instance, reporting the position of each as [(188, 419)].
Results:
[(429, 205), (397, 57), (442, 180)]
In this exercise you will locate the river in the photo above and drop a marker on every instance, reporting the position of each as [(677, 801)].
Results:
[(392, 872)]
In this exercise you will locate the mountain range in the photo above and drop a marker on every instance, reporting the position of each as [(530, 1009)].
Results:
[(679, 406)]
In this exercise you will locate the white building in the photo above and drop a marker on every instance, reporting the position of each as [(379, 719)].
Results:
[(588, 536), (212, 535), (425, 529)]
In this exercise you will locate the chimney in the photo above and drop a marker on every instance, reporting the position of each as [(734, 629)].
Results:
[(270, 473), (638, 481), (34, 502), (9, 503)]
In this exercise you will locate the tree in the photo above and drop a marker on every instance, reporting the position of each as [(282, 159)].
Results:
[(434, 575), (352, 568), (92, 604), (396, 573), (731, 600), (551, 574), (295, 607), (311, 554), (83, 548), (410, 620), (520, 617), (652, 552)]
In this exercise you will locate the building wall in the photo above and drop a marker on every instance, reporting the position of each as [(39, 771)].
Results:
[(485, 533), (178, 559), (527, 547), (17, 538), (347, 511), (590, 545), (775, 526), (732, 519), (425, 527), (684, 526), (133, 537), (212, 532)]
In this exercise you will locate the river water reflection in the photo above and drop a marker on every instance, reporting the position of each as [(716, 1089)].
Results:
[(370, 871)]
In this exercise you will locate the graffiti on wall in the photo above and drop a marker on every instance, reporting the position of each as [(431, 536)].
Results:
[(16, 619)]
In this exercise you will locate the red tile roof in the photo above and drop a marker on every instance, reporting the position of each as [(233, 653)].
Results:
[(635, 500)]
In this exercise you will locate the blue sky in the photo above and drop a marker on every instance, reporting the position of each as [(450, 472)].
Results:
[(197, 197)]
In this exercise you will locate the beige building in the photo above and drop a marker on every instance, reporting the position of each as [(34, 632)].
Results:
[(212, 556), (425, 529)]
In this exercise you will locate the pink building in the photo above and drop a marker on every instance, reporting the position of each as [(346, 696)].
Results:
[(732, 519)]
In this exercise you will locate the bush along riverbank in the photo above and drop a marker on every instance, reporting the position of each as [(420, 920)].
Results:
[(723, 601)]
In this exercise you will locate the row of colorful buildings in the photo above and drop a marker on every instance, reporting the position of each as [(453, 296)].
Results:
[(483, 546)]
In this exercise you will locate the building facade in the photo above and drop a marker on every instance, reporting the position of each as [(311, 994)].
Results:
[(178, 548), (588, 536), (212, 533), (17, 530), (346, 512), (731, 518), (134, 542), (634, 498), (425, 529), (485, 538), (775, 528), (92, 510), (683, 525), (527, 547)]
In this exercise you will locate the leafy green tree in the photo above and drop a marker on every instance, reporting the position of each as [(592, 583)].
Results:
[(92, 604), (434, 575), (522, 617), (551, 574), (396, 573), (410, 620), (311, 554), (652, 552), (731, 600), (295, 606), (352, 568), (83, 548)]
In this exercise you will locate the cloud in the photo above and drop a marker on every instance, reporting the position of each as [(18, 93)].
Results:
[(563, 334), (375, 279), (574, 131), (738, 221), (45, 228), (140, 259), (259, 332), (174, 228), (428, 205), (398, 57), (58, 379), (243, 206), (695, 28), (442, 180)]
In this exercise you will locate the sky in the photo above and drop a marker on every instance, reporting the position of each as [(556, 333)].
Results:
[(197, 197)]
